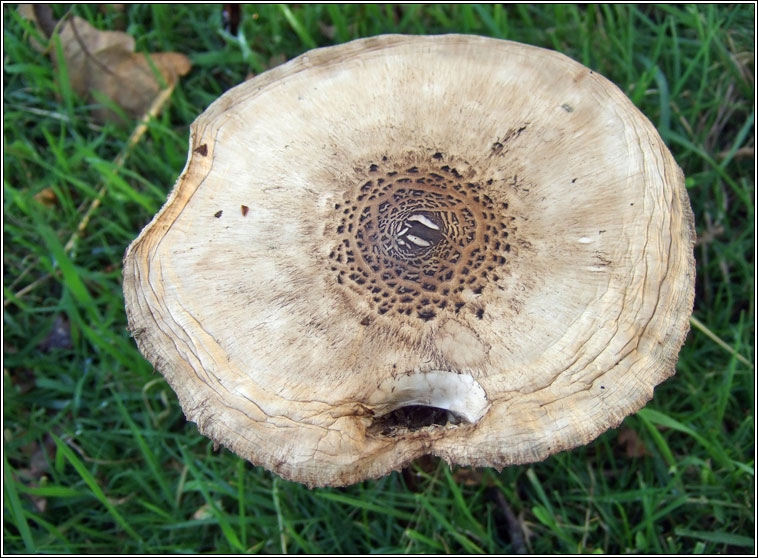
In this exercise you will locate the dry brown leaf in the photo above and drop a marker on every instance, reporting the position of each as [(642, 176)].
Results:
[(105, 61), (632, 444), (206, 511), (103, 64), (47, 197)]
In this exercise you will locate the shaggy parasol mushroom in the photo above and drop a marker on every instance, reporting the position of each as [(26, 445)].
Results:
[(451, 245)]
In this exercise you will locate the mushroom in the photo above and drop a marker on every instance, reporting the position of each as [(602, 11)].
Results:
[(398, 246)]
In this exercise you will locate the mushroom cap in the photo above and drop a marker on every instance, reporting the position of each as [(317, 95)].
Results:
[(398, 246)]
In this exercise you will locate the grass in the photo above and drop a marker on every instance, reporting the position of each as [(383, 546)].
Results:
[(97, 455)]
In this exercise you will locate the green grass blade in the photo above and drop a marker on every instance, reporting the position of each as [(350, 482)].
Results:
[(147, 453), (297, 26), (219, 516), (662, 419), (12, 503), (90, 481), (718, 537), (364, 505), (448, 528), (462, 505)]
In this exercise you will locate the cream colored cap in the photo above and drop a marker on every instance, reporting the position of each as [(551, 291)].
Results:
[(452, 245)]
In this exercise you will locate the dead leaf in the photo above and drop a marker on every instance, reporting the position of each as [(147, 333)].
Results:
[(103, 65), (47, 197), (633, 445), (205, 511), (105, 61)]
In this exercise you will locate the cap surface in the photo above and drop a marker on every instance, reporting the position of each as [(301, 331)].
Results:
[(404, 245)]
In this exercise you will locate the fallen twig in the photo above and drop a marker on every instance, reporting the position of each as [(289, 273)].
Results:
[(514, 527), (720, 342)]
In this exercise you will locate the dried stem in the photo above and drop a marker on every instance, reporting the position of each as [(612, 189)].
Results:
[(720, 342), (119, 161)]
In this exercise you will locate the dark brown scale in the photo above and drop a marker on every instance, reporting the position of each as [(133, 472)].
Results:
[(426, 235)]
